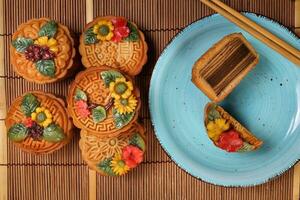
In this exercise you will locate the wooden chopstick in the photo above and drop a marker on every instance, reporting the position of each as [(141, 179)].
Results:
[(260, 33)]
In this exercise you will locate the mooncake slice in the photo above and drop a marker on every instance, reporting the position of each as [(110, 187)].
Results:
[(114, 156), (218, 71), (226, 132), (38, 123)]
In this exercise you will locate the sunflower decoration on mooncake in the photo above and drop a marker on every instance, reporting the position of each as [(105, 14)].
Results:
[(38, 123), (226, 132), (114, 156), (103, 101), (42, 51), (115, 42)]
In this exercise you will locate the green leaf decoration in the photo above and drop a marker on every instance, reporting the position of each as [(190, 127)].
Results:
[(29, 104), (49, 29), (138, 141), (109, 76), (46, 67), (80, 95), (213, 113), (134, 33), (18, 132), (98, 114), (104, 166), (122, 119), (53, 133), (246, 147), (21, 44), (90, 37)]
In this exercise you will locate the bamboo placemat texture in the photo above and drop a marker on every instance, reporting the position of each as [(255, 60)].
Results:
[(63, 175)]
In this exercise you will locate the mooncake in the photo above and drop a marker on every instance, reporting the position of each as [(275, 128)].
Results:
[(114, 156), (38, 123), (115, 42), (42, 51), (103, 101)]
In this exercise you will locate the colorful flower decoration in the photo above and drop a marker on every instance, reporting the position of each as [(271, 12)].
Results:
[(116, 30), (120, 88), (103, 30), (42, 116), (123, 101), (82, 108), (230, 141), (216, 127), (130, 157), (51, 43), (118, 165), (125, 105), (121, 29), (41, 50), (38, 123)]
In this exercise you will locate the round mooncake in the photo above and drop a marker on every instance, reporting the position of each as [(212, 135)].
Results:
[(38, 123), (114, 156), (103, 101), (42, 51), (115, 42)]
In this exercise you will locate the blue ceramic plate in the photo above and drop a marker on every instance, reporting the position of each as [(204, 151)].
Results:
[(267, 102)]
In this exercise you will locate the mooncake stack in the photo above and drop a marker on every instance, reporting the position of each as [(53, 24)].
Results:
[(103, 100)]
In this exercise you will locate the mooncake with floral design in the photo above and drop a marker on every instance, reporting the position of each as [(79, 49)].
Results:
[(114, 156), (103, 101), (226, 132), (115, 42), (42, 51), (38, 123)]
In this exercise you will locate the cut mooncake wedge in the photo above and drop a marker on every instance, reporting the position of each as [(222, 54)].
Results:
[(218, 71), (226, 132)]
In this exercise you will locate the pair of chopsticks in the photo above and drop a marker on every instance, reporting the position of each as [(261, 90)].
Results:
[(255, 30)]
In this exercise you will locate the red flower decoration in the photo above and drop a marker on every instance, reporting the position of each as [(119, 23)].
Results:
[(28, 122), (132, 156), (120, 29), (230, 141), (82, 108)]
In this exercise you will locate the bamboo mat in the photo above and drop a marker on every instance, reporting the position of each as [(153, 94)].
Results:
[(63, 175)]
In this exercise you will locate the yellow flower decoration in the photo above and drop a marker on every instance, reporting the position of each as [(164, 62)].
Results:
[(42, 116), (104, 30), (50, 43), (216, 127), (125, 105), (120, 88), (118, 165)]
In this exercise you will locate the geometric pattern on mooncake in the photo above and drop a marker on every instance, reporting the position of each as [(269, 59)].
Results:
[(90, 82), (126, 56), (57, 108), (63, 59), (96, 149)]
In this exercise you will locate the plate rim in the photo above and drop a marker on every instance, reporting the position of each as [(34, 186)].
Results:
[(155, 69)]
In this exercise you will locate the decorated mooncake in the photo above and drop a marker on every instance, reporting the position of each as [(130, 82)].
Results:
[(226, 132), (103, 101), (114, 156), (42, 51), (115, 42), (218, 71), (37, 122)]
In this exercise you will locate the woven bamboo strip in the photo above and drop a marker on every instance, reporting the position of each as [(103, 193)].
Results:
[(92, 173), (296, 180)]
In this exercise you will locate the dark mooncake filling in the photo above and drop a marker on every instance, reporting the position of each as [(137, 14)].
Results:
[(227, 64)]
